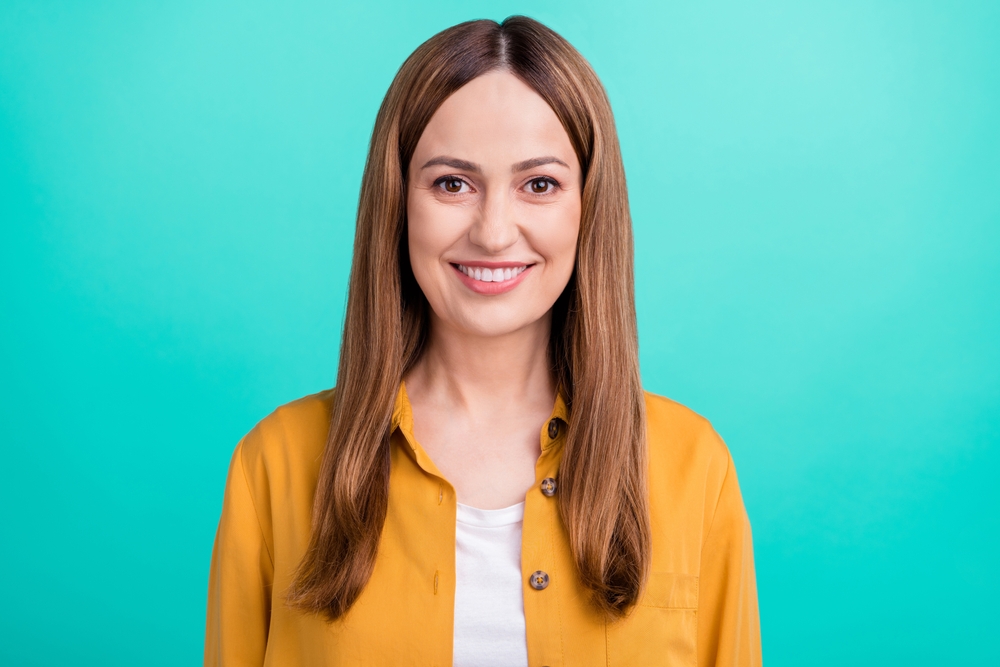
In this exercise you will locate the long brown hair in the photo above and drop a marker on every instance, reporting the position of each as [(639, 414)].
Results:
[(593, 348)]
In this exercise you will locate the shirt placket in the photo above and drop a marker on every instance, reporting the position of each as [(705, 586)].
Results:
[(542, 580)]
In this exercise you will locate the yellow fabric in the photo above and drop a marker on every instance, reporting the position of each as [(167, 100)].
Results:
[(699, 607)]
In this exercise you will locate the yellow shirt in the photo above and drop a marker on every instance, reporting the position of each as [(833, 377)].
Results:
[(699, 606)]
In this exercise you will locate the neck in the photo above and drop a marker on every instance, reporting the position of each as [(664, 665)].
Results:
[(485, 374)]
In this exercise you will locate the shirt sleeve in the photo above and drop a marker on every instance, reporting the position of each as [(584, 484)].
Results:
[(728, 618), (240, 579)]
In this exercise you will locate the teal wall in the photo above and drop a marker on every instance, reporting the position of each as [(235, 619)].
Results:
[(816, 193)]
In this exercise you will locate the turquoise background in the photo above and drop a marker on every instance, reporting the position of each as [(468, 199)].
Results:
[(816, 194)]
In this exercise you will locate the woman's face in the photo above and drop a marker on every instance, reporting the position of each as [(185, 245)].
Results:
[(493, 207)]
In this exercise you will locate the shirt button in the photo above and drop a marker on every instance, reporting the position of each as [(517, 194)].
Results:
[(548, 487), (538, 580), (553, 428)]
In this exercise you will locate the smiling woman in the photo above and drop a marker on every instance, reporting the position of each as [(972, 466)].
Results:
[(488, 484), (491, 211)]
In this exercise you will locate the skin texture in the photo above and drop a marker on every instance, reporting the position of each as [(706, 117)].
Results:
[(476, 193)]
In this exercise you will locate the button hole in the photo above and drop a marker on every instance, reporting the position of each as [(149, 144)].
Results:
[(435, 582), (440, 494)]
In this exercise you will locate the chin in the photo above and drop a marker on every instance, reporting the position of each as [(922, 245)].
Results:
[(494, 324)]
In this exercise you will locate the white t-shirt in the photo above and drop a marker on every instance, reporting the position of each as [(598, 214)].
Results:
[(489, 602)]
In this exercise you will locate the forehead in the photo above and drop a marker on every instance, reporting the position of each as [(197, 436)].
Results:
[(495, 116)]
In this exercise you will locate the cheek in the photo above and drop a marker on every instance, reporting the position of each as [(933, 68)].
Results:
[(557, 240), (430, 232), (424, 236), (418, 215)]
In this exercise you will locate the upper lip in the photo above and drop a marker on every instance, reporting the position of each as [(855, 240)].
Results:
[(493, 265)]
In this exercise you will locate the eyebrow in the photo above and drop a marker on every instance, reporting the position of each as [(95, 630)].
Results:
[(465, 165), (537, 162)]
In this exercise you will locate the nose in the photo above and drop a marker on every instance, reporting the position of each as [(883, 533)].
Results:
[(495, 228)]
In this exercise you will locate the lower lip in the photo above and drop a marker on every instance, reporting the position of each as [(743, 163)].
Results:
[(491, 289)]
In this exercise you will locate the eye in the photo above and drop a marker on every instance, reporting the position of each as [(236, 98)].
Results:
[(450, 184), (541, 186)]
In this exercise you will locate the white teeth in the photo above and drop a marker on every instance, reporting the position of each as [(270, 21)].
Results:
[(491, 275)]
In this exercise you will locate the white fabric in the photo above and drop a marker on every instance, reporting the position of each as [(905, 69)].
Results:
[(489, 602)]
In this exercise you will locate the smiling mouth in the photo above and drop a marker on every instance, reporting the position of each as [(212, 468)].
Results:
[(487, 275)]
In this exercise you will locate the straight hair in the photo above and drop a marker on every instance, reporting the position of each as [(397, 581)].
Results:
[(593, 349)]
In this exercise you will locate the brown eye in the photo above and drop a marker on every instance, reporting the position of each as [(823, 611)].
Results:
[(540, 186), (453, 185)]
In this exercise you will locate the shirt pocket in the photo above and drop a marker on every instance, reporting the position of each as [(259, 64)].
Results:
[(663, 628)]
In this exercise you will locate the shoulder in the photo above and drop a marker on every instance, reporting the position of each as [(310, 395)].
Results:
[(672, 425), (272, 477), (685, 451), (288, 441)]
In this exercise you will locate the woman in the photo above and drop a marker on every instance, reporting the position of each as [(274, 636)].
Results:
[(488, 484)]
